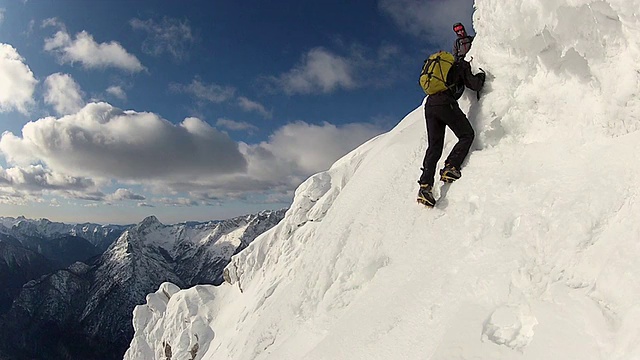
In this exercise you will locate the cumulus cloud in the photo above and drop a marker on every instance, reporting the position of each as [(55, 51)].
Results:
[(74, 155), (320, 71), (124, 194), (36, 178), (23, 185), (85, 50), (249, 105), (17, 82), (291, 154), (206, 92), (105, 142), (300, 149), (323, 71), (117, 91), (63, 93), (170, 36), (235, 125), (430, 18)]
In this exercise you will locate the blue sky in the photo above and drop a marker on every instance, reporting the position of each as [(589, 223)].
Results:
[(198, 110)]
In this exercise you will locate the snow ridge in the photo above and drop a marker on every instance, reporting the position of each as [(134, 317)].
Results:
[(531, 255)]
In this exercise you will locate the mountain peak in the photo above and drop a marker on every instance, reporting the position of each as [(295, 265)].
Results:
[(149, 222)]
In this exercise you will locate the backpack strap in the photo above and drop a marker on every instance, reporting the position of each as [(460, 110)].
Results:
[(434, 60), (442, 78)]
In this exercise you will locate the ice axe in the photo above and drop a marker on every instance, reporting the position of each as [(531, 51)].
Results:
[(485, 76)]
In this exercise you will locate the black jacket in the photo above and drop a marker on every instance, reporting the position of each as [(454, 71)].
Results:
[(459, 75)]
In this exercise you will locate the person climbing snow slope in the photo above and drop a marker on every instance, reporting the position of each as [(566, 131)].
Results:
[(440, 76)]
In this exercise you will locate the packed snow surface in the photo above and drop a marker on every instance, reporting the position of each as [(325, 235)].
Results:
[(533, 254)]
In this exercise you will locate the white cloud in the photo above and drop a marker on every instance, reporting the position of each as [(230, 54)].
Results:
[(117, 91), (292, 154), (170, 35), (63, 93), (208, 92), (2, 11), (124, 194), (320, 71), (74, 155), (37, 178), (105, 142), (236, 125), (30, 27), (249, 105), (186, 202), (23, 185), (85, 50), (431, 18), (300, 149), (17, 82), (54, 22), (12, 197)]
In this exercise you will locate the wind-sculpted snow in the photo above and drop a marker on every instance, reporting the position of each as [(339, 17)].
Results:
[(192, 337), (532, 254), (561, 68), (311, 202)]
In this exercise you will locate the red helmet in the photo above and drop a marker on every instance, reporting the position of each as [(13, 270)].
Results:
[(458, 27)]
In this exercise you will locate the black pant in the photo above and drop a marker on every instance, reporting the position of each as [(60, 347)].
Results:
[(438, 117)]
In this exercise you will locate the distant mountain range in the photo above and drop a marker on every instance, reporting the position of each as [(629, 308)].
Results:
[(85, 310), (32, 248), (31, 232)]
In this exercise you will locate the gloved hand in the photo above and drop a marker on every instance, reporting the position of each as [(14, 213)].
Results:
[(482, 76)]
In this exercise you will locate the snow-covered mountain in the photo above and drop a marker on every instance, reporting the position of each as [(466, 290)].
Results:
[(17, 266), (532, 254), (31, 232), (31, 248), (85, 311)]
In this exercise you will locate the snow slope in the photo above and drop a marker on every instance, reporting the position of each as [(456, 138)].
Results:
[(533, 254)]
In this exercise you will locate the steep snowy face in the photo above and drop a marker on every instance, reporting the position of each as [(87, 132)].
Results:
[(561, 68), (532, 254)]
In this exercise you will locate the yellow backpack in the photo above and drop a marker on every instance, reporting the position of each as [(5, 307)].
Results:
[(433, 78)]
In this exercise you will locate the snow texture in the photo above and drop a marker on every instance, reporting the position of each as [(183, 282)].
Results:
[(533, 254)]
